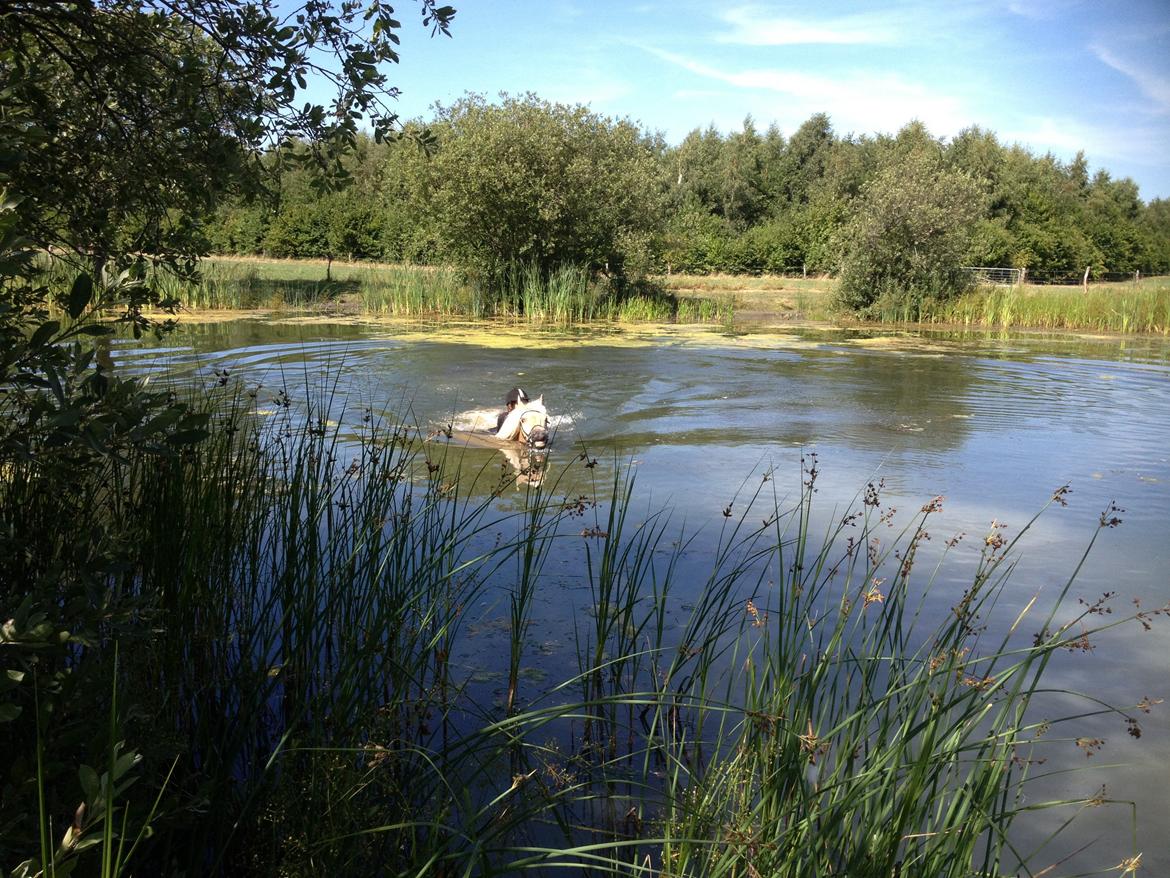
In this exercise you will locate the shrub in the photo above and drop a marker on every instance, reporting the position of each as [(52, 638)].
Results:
[(908, 237)]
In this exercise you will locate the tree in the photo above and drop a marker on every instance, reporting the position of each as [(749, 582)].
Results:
[(909, 235), (692, 170), (528, 181), (1112, 210), (120, 124), (238, 227), (1155, 224), (133, 117), (804, 159), (741, 196)]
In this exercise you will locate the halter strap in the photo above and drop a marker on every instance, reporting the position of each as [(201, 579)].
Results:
[(523, 432)]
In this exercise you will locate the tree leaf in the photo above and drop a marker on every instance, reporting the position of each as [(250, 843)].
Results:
[(80, 295), (44, 332), (187, 437), (90, 784)]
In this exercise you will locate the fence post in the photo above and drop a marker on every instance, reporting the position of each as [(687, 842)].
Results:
[(1085, 280), (1023, 275)]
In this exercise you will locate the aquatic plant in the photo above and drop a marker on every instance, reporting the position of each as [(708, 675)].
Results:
[(298, 589), (1131, 307), (566, 296)]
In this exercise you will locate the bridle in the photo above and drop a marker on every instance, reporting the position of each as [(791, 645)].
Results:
[(525, 430)]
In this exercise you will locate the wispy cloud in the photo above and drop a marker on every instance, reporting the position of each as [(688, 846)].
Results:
[(1030, 9), (861, 101), (1141, 145), (587, 87), (752, 26), (890, 24), (1154, 84)]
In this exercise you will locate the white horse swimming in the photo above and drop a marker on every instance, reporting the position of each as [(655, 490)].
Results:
[(527, 423)]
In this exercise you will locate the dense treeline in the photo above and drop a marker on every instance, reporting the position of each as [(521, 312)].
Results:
[(527, 180)]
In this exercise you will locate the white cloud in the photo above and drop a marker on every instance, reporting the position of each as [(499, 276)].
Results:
[(1064, 137), (858, 101), (922, 22), (753, 27), (1047, 10), (1155, 85), (688, 94), (1031, 9), (589, 87)]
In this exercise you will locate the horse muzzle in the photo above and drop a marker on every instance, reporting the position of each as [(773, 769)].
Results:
[(538, 438)]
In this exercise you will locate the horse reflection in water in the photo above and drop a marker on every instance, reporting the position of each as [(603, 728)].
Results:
[(526, 426), (530, 466)]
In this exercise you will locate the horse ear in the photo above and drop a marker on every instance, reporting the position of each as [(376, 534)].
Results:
[(540, 399)]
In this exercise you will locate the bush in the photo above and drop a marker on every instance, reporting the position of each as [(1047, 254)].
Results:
[(696, 242), (908, 238), (537, 183), (772, 247)]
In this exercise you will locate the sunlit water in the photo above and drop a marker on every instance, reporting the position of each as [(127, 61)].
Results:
[(992, 423)]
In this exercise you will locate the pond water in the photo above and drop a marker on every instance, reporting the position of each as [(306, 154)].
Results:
[(993, 423)]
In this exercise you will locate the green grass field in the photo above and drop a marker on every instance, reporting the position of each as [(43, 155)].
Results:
[(1126, 307), (764, 295)]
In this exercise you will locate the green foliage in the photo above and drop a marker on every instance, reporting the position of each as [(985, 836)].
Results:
[(121, 121), (695, 240), (238, 228), (744, 202), (1112, 210), (155, 111), (1155, 224), (299, 229), (725, 174), (910, 233), (774, 247), (527, 181), (1113, 307), (122, 126), (804, 160), (71, 432)]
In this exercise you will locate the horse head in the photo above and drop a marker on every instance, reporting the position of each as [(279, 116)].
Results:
[(534, 423)]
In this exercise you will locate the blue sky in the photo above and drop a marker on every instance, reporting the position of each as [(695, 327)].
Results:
[(1056, 76)]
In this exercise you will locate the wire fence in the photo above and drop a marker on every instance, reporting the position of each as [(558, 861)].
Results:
[(983, 274), (1002, 276), (1078, 278)]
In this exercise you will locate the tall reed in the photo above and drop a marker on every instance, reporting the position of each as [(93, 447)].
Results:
[(416, 292), (1115, 307), (301, 584), (520, 291)]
